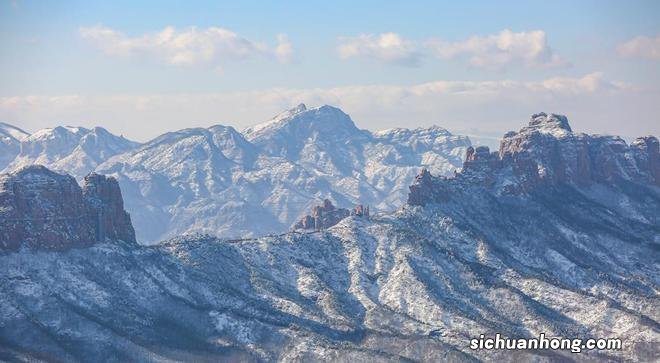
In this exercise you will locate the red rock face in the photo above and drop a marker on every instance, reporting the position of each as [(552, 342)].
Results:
[(546, 153), (327, 215), (105, 205), (360, 211), (41, 209)]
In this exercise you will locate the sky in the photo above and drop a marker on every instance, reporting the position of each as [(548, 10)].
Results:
[(480, 67)]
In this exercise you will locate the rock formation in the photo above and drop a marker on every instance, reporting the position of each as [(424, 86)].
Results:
[(546, 153), (360, 211), (327, 215), (41, 209), (512, 246), (105, 205)]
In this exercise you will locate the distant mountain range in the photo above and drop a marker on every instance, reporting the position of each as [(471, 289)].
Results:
[(220, 181), (76, 150), (557, 233)]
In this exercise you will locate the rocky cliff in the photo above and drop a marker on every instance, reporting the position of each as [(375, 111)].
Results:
[(491, 251), (546, 153), (327, 215), (42, 209), (105, 206)]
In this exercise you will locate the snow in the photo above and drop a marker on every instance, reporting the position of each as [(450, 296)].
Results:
[(220, 181), (14, 132), (263, 180), (408, 279), (75, 150), (414, 284)]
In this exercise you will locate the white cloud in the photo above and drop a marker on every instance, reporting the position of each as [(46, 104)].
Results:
[(641, 47), (385, 47), (193, 46), (488, 105), (284, 49), (500, 50), (494, 52)]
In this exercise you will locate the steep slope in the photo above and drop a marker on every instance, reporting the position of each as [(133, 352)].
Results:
[(44, 210), (194, 180), (10, 143), (221, 182), (75, 150), (323, 138), (326, 141), (518, 243)]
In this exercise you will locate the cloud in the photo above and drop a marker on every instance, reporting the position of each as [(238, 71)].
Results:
[(210, 46), (498, 105), (641, 47), (284, 49), (385, 47), (493, 52), (500, 50)]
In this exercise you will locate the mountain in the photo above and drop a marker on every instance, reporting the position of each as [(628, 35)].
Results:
[(261, 181), (10, 143), (556, 233), (323, 138), (76, 150), (194, 180)]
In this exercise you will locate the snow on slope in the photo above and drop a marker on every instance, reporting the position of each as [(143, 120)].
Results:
[(10, 143), (75, 150), (10, 131), (221, 182), (414, 285), (503, 247)]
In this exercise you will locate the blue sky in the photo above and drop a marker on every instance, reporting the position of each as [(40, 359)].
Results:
[(403, 64)]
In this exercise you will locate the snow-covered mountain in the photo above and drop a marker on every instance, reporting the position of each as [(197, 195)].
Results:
[(261, 181), (76, 150), (557, 233), (10, 143)]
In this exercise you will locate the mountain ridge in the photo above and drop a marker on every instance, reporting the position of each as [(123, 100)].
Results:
[(219, 181), (515, 249), (76, 150)]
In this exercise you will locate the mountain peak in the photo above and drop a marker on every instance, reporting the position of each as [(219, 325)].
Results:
[(290, 112), (553, 123), (77, 150), (300, 119), (300, 108), (547, 153)]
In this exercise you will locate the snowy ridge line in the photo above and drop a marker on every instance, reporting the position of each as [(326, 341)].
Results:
[(265, 179), (252, 183), (568, 249)]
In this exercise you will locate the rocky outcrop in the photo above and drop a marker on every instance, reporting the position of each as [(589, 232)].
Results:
[(105, 205), (327, 215), (42, 209), (422, 189), (645, 151), (360, 211), (546, 153)]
